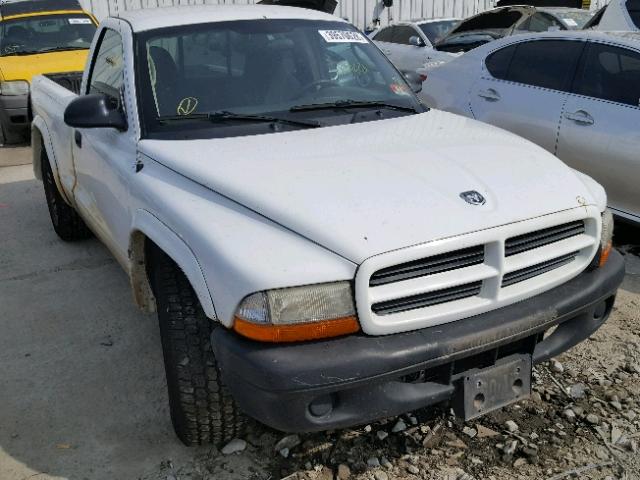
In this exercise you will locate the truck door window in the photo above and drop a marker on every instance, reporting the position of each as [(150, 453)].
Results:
[(107, 75), (610, 73)]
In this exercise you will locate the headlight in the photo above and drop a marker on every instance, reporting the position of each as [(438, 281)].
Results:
[(298, 314), (606, 240), (15, 88)]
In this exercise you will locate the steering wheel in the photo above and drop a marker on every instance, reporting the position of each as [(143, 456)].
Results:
[(364, 79), (317, 86)]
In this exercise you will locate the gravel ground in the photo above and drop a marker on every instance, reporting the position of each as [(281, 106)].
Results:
[(582, 421)]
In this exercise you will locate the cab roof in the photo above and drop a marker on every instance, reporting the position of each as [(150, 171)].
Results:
[(11, 8), (163, 17)]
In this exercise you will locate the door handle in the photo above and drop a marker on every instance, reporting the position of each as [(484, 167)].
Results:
[(78, 138), (489, 94), (581, 117)]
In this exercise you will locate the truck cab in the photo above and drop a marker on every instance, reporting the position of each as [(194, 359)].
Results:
[(38, 37)]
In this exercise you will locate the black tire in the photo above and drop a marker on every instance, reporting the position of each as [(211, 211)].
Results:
[(66, 221), (202, 409)]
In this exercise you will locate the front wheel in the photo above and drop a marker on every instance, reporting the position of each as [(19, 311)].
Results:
[(202, 409)]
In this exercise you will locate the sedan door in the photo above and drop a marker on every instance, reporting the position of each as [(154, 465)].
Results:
[(384, 41), (523, 88), (600, 132)]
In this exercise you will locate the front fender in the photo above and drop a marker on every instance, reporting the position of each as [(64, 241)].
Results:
[(147, 225), (40, 137)]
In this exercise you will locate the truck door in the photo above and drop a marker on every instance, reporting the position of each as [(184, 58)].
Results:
[(105, 157)]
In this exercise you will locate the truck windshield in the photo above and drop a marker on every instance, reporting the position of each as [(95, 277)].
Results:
[(39, 34), (299, 70)]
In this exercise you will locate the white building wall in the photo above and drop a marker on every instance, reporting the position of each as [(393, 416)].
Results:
[(359, 12)]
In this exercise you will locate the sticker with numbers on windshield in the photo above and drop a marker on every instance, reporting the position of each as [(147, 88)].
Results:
[(342, 36), (79, 21)]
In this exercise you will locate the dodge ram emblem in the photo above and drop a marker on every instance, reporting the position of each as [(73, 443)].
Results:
[(473, 197)]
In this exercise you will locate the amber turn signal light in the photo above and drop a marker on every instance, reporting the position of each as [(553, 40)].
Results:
[(297, 332)]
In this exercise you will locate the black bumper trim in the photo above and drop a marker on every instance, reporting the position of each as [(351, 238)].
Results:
[(359, 377)]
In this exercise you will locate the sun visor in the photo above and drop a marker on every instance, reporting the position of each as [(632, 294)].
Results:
[(541, 3), (328, 6), (21, 7)]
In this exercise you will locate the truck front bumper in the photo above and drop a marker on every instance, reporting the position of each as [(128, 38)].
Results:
[(356, 379), (14, 113)]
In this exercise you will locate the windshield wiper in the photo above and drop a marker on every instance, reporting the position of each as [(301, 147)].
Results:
[(352, 104), (62, 49), (224, 115)]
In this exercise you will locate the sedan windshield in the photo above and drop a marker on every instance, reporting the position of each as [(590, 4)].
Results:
[(43, 33), (575, 20), (298, 73)]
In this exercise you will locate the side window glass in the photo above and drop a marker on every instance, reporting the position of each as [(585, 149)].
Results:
[(633, 6), (403, 34), (541, 22), (107, 75), (498, 62), (545, 63), (610, 73), (384, 35)]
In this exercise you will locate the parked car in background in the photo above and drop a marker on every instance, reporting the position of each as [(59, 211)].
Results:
[(618, 15), (409, 45), (321, 250), (576, 94), (505, 21), (38, 37)]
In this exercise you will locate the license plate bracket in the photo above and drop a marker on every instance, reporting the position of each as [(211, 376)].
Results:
[(487, 389)]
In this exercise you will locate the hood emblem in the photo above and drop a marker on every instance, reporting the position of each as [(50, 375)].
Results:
[(474, 198)]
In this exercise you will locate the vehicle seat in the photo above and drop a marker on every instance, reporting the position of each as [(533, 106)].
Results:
[(166, 80)]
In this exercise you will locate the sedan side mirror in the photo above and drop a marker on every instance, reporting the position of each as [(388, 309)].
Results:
[(416, 41), (415, 81), (95, 111)]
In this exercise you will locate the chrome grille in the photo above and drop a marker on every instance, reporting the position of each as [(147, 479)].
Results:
[(529, 241), (429, 266)]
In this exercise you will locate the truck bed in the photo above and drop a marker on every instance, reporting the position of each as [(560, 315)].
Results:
[(69, 80)]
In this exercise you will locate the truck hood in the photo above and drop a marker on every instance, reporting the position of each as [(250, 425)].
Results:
[(364, 189), (25, 67)]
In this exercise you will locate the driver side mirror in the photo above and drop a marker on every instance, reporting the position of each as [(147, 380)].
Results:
[(95, 111), (415, 81), (416, 41)]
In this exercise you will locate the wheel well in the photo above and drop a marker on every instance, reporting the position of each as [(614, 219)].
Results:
[(37, 146), (140, 252)]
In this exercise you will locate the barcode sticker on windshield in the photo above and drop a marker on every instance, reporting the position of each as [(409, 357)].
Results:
[(342, 36), (79, 21), (571, 22)]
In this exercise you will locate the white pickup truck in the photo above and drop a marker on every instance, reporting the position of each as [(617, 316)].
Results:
[(321, 250)]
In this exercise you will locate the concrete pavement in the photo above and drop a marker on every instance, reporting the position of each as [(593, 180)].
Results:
[(11, 156), (82, 388)]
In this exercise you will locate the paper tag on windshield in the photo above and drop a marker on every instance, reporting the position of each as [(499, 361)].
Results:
[(342, 36), (571, 22), (79, 21)]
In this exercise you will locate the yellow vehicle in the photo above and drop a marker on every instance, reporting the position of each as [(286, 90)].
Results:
[(38, 37)]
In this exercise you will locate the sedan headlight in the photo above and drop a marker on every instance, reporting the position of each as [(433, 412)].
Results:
[(14, 88), (298, 314), (606, 240)]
